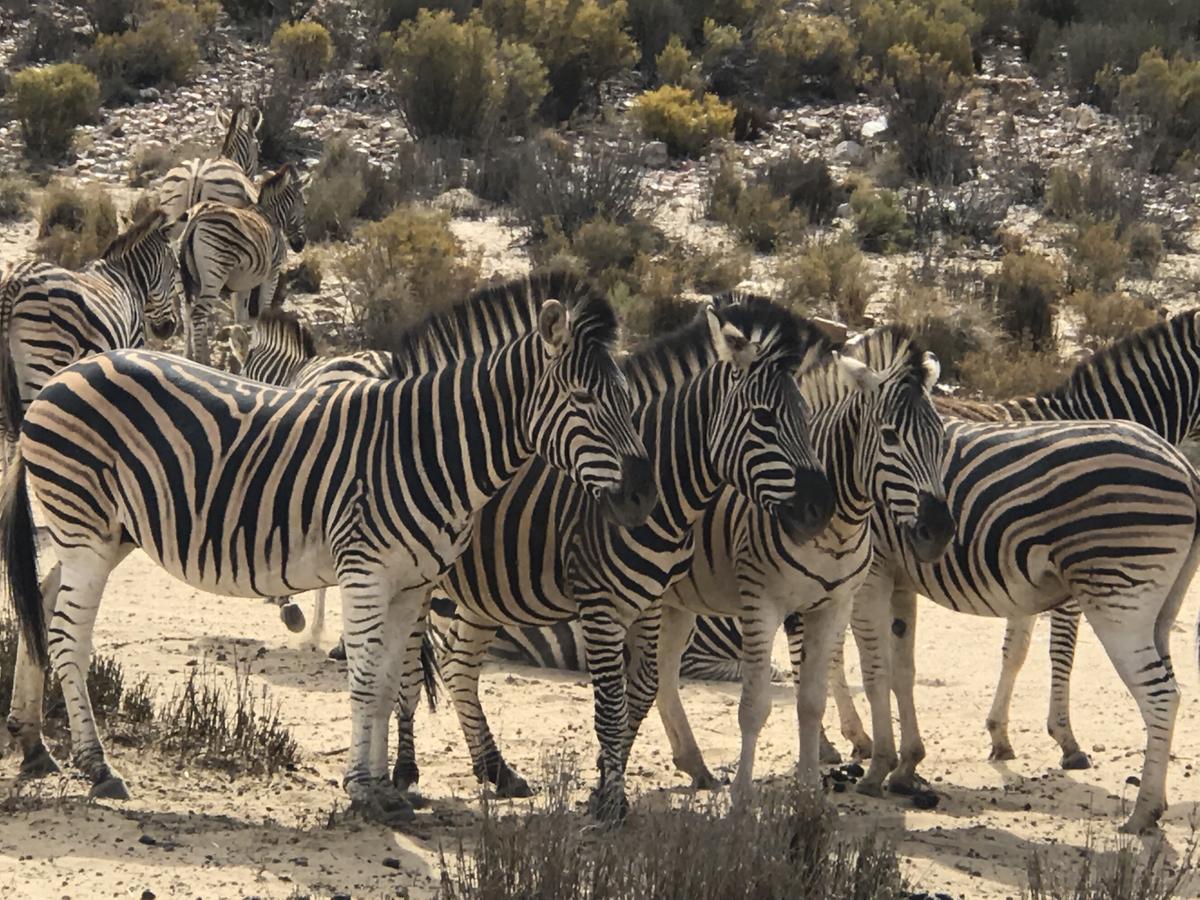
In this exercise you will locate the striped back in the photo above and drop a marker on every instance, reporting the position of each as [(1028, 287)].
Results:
[(240, 144)]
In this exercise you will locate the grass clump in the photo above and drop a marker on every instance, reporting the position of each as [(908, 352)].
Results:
[(75, 226), (1126, 871), (1098, 193), (14, 197), (1106, 317), (761, 217), (50, 103), (303, 49), (1146, 247), (687, 124), (1012, 369), (828, 276), (1027, 292), (953, 327), (1098, 258)]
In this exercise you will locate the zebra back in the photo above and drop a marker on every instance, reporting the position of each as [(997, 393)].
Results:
[(240, 144), (280, 346)]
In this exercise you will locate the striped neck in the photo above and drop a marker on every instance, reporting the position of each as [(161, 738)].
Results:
[(846, 446)]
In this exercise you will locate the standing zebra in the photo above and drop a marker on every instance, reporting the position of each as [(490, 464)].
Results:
[(223, 179), (239, 249), (51, 317), (243, 489), (717, 404), (880, 439)]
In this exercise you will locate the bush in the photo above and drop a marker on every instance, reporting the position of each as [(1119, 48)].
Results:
[(150, 162), (880, 220), (1012, 369), (581, 42), (75, 226), (1166, 97), (303, 49), (932, 29), (687, 125), (457, 80), (346, 186), (675, 65), (401, 269), (1099, 194), (800, 52), (1146, 248), (1027, 293), (951, 328), (50, 103), (305, 277), (1129, 870), (754, 211), (48, 38), (278, 141), (808, 185), (14, 197), (920, 92), (1104, 318), (162, 48), (1098, 259), (561, 189), (829, 277)]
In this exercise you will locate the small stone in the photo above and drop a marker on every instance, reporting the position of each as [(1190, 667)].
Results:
[(1098, 748), (148, 840), (150, 94), (850, 152), (147, 895), (812, 128), (391, 862), (654, 154), (845, 211), (873, 129), (1085, 117)]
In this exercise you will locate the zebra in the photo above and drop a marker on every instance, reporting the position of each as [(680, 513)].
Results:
[(244, 489), (240, 249), (227, 178), (880, 439), (717, 404), (50, 316)]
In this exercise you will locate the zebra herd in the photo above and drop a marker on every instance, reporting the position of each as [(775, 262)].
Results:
[(506, 467)]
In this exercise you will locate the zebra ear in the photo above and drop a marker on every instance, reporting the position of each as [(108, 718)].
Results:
[(239, 343), (932, 369), (856, 375), (223, 119), (554, 326), (256, 119), (730, 344)]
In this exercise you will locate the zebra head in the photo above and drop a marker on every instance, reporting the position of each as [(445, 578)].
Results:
[(281, 199), (279, 345), (903, 440), (144, 252), (760, 441), (241, 124), (581, 420)]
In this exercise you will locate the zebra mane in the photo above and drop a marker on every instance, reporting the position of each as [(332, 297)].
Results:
[(281, 325), (276, 181), (891, 351), (237, 112), (500, 313), (147, 226), (782, 338), (1122, 355)]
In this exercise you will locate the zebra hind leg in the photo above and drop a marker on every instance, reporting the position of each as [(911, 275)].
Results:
[(1064, 631), (793, 626), (406, 773), (642, 673), (29, 682), (1018, 631), (604, 638), (676, 630), (760, 623)]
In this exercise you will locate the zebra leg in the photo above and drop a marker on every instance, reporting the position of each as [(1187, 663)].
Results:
[(466, 649), (871, 608), (759, 624), (318, 623), (83, 574), (643, 673), (406, 773), (850, 722), (196, 328), (676, 630), (793, 627), (29, 683), (604, 640), (1064, 631), (824, 629), (1017, 633), (905, 779)]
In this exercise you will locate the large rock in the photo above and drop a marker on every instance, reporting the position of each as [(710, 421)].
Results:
[(851, 153), (874, 128), (1085, 117)]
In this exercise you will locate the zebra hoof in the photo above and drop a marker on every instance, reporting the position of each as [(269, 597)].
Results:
[(110, 788), (512, 786), (338, 651), (706, 782), (907, 785), (38, 763), (1076, 760), (829, 754), (381, 803), (293, 617), (609, 804), (869, 788), (405, 778), (1002, 753)]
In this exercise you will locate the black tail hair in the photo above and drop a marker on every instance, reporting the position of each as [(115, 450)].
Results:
[(431, 672), (19, 552), (185, 273)]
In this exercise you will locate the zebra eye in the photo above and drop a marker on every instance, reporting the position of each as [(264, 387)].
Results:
[(583, 398), (763, 417), (890, 436)]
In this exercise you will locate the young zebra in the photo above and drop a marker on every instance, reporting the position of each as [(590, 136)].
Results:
[(717, 404), (223, 179), (239, 249), (881, 442), (50, 316), (243, 489)]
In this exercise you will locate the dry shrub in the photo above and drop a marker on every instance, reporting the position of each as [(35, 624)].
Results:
[(346, 186), (1027, 292), (784, 844), (305, 277), (798, 52), (1098, 258), (401, 269), (50, 103), (14, 197), (1128, 870), (49, 37), (951, 327), (1012, 369), (75, 226), (562, 187), (1105, 318), (920, 92), (1098, 194), (1146, 247), (880, 219), (809, 186), (160, 49), (828, 276), (751, 208), (720, 269), (149, 162), (685, 123), (304, 49), (1163, 95)]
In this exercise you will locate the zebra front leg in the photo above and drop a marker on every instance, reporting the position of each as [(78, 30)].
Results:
[(196, 328), (406, 773), (1064, 631), (466, 648), (604, 641), (905, 779), (759, 624), (1018, 631), (675, 632), (643, 673), (318, 623), (793, 627), (850, 723), (29, 683), (870, 615)]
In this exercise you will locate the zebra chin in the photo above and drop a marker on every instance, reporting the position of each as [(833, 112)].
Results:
[(629, 503), (809, 510), (933, 529), (163, 329)]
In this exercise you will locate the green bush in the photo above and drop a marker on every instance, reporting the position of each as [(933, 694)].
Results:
[(161, 49), (50, 103), (760, 217), (829, 277), (675, 65), (880, 220), (303, 49), (687, 125), (799, 51), (582, 43), (1098, 258), (457, 80), (1166, 97), (1027, 293), (75, 226), (14, 197), (920, 92), (1107, 317), (401, 269), (933, 28)]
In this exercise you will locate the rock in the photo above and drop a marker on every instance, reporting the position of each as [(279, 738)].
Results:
[(874, 128), (654, 154), (845, 211), (148, 895), (150, 94), (1084, 117), (460, 202), (391, 862), (316, 111), (850, 152), (147, 840), (812, 128)]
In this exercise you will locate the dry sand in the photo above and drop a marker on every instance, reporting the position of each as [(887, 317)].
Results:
[(217, 837)]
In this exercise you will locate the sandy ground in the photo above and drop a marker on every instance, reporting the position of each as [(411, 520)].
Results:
[(216, 837)]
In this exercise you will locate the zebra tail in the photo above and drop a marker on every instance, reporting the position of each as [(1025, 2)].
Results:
[(19, 553), (186, 274), (11, 412), (431, 672)]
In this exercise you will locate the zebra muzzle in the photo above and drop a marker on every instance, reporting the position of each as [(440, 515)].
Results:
[(808, 513), (933, 530), (630, 503)]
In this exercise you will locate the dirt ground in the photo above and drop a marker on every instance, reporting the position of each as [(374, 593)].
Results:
[(208, 836)]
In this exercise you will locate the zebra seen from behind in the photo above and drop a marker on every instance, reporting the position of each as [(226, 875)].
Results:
[(880, 439), (51, 316), (240, 249), (226, 178), (242, 489)]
